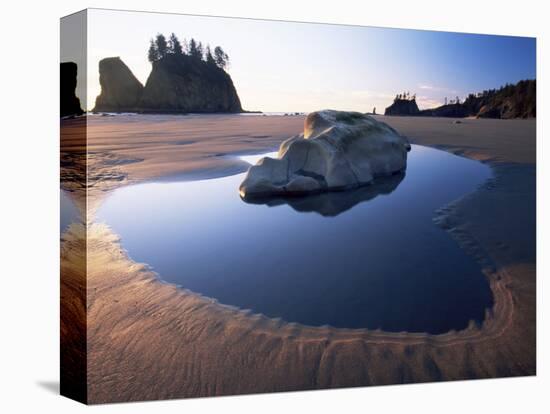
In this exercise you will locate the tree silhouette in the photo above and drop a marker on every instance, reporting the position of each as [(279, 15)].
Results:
[(194, 50), (200, 51), (162, 46), (153, 54), (221, 58), (174, 45), (159, 47), (208, 56)]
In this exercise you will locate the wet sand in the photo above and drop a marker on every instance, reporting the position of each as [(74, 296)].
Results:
[(151, 340)]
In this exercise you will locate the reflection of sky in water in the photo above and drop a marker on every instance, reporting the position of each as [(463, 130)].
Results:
[(69, 212), (377, 263)]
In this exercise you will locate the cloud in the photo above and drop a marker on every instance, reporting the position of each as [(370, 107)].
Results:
[(428, 87), (433, 88)]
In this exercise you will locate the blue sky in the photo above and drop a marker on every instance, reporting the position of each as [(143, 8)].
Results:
[(285, 66)]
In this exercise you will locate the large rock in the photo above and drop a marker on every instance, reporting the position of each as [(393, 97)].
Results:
[(337, 151), (120, 90), (180, 83), (69, 102)]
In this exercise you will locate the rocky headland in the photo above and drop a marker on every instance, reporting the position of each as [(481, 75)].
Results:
[(508, 102)]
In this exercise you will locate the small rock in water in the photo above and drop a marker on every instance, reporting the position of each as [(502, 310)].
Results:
[(338, 150)]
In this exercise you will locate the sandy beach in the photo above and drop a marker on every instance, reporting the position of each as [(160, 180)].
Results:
[(147, 339)]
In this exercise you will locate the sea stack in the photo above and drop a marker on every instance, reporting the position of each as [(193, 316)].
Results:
[(402, 107), (176, 84), (69, 102), (337, 151), (181, 83), (120, 90)]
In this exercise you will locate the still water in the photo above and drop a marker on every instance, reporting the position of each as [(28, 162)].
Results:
[(370, 258)]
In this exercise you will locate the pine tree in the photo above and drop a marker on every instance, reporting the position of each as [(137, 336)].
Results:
[(208, 56), (221, 58), (194, 51), (162, 46), (174, 45), (153, 55)]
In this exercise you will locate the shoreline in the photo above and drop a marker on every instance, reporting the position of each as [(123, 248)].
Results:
[(373, 357)]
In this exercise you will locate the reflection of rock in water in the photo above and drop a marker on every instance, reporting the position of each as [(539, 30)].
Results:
[(330, 204)]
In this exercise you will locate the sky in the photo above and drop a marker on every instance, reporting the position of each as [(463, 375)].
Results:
[(301, 67)]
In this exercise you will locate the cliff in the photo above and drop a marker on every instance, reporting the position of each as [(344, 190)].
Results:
[(402, 107), (510, 101), (120, 90), (69, 102), (176, 84)]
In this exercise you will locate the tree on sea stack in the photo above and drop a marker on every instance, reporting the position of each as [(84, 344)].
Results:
[(159, 47), (174, 45), (221, 58), (208, 56), (162, 45), (153, 54), (195, 51)]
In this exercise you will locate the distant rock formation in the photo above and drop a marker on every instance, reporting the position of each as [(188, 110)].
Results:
[(338, 150), (69, 102), (402, 107), (507, 102), (120, 90), (177, 84)]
